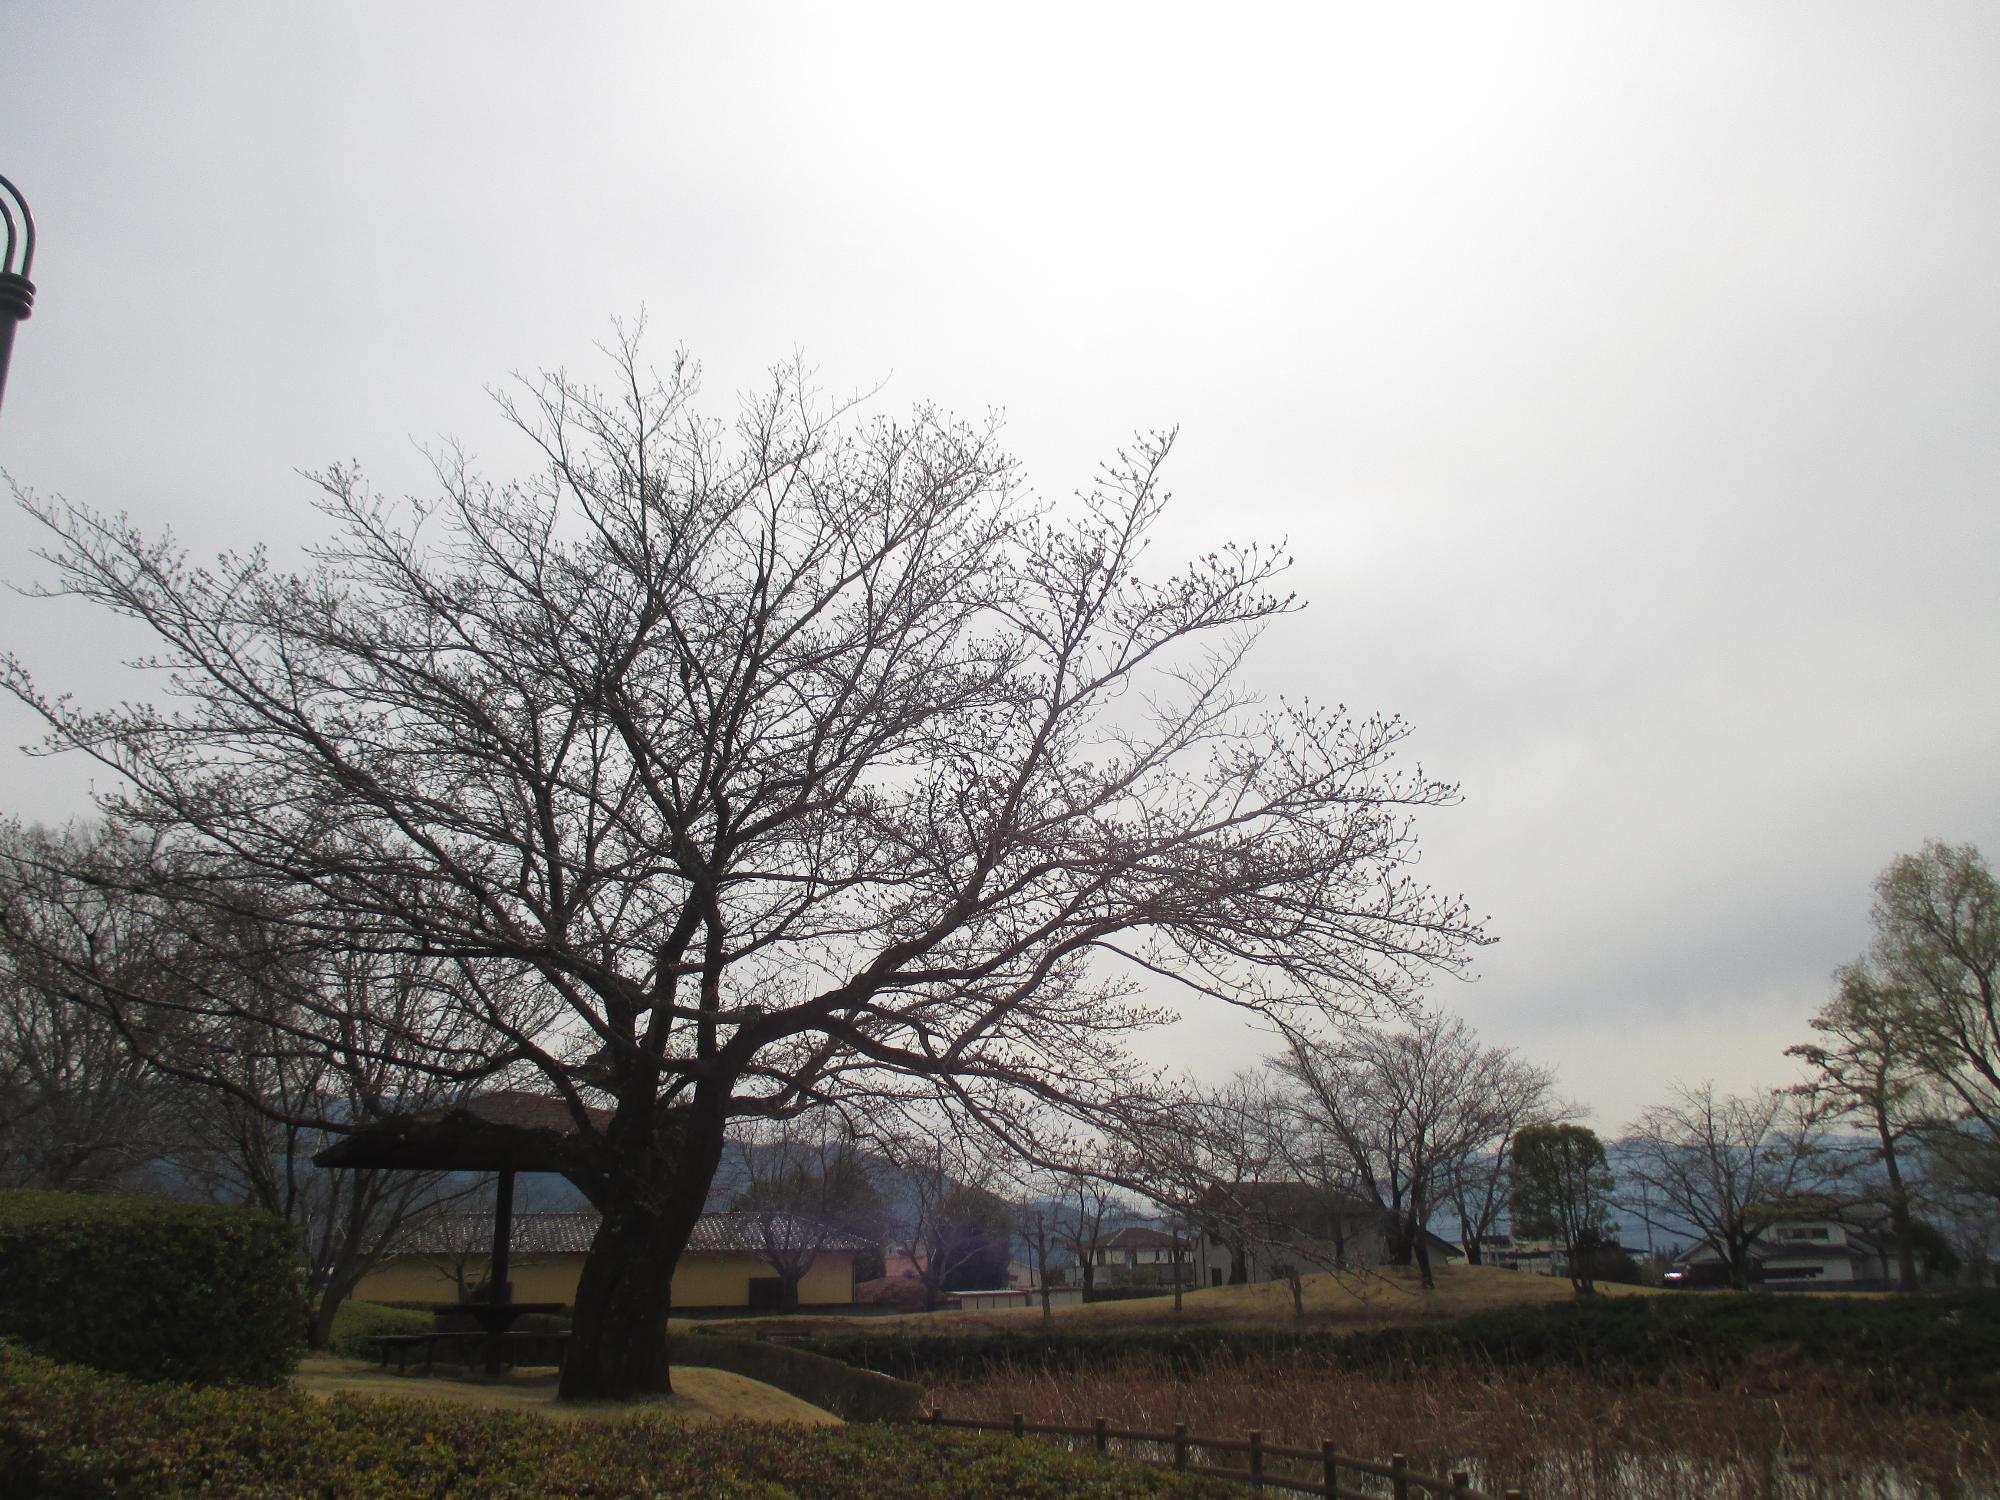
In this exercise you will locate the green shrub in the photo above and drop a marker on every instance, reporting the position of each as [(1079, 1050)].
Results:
[(67, 1433), (162, 1291), (852, 1394), (1126, 1293), (355, 1323)]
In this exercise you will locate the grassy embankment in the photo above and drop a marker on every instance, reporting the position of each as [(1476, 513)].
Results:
[(1347, 1301)]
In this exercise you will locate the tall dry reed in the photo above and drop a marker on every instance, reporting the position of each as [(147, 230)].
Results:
[(1763, 1433)]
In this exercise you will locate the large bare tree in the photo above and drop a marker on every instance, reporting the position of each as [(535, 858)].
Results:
[(1727, 1166), (793, 759), (1400, 1113)]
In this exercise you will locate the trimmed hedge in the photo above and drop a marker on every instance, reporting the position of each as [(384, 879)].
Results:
[(854, 1395), (67, 1433), (1942, 1348), (355, 1323), (161, 1291)]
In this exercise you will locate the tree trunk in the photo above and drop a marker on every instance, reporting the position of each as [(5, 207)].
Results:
[(1239, 1267), (618, 1345), (1899, 1206), (1420, 1245)]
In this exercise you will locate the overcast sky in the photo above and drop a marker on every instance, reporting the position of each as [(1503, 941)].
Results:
[(1622, 376)]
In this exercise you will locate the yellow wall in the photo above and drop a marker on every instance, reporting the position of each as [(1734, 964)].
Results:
[(699, 1280)]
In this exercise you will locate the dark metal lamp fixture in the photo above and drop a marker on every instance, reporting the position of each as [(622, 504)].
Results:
[(17, 293)]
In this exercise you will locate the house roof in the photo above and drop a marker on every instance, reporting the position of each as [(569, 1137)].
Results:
[(1298, 1205), (571, 1234), (1138, 1237)]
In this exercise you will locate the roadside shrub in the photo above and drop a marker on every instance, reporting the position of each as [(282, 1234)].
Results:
[(161, 1291), (67, 1433), (1125, 1293), (354, 1323)]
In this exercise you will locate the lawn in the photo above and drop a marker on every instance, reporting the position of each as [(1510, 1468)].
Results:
[(700, 1395), (1343, 1301)]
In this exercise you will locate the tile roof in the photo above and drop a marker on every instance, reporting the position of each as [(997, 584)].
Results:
[(571, 1234)]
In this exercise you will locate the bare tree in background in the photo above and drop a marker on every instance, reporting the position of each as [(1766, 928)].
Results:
[(1034, 1222), (791, 760), (79, 1108), (223, 1083), (952, 1217), (1518, 1094), (1086, 1205), (1727, 1166), (254, 1105), (1401, 1111), (808, 1189)]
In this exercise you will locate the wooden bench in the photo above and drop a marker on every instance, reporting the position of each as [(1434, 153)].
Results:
[(403, 1345)]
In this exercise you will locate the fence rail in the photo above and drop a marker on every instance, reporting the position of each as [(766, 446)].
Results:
[(1403, 1480)]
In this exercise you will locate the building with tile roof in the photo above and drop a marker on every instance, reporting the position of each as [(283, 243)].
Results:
[(444, 1260)]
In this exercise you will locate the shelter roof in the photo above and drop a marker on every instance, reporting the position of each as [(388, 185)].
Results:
[(508, 1130)]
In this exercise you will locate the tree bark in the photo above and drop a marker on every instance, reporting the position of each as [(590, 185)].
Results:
[(1899, 1204), (618, 1345)]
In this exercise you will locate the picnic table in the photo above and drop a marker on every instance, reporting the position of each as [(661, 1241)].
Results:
[(494, 1334)]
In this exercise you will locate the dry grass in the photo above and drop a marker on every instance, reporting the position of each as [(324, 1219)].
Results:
[(1350, 1301), (1553, 1434), (700, 1395)]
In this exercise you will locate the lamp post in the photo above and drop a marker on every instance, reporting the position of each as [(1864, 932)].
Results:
[(17, 293)]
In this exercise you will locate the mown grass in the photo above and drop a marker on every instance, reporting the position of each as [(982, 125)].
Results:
[(1384, 1296), (700, 1394), (1774, 1431)]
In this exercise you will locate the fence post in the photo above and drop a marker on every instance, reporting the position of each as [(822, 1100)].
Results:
[(1461, 1482), (1257, 1457), (1020, 1425), (1180, 1445), (1399, 1476), (937, 1415), (1331, 1461), (1099, 1425)]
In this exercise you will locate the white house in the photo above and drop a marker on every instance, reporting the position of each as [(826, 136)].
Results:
[(1137, 1256), (1817, 1253)]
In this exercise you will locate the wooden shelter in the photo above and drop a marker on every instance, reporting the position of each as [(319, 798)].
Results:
[(504, 1132)]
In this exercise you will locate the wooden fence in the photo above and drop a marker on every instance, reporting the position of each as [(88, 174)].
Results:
[(1333, 1468)]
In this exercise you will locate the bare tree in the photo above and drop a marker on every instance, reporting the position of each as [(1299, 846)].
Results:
[(1086, 1205), (808, 1189), (1728, 1167), (1399, 1113), (793, 761), (226, 1085), (80, 1109), (952, 1218), (1034, 1222), (1519, 1094)]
